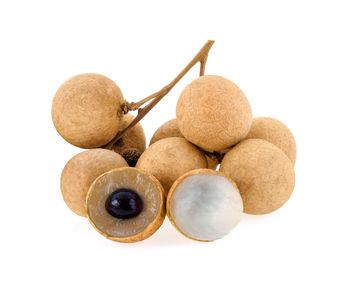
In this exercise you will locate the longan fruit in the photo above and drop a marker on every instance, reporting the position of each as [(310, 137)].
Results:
[(126, 204), (204, 205), (169, 158), (275, 132), (86, 110), (213, 113), (132, 144), (170, 129), (81, 170), (263, 173)]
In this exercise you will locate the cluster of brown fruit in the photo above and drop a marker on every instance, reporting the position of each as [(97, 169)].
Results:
[(176, 175)]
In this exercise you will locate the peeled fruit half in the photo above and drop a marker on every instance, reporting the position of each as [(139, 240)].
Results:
[(169, 158), (86, 110), (213, 113), (263, 173), (126, 204), (275, 132), (81, 170), (204, 205)]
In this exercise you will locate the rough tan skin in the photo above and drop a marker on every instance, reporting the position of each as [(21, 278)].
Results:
[(275, 132), (263, 173), (170, 129), (169, 158), (134, 138), (86, 110), (81, 171), (213, 113), (134, 229)]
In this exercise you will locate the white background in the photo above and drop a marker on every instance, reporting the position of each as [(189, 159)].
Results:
[(292, 60)]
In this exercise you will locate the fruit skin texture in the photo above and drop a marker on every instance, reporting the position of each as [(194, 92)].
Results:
[(86, 110), (275, 132), (81, 170), (128, 177), (134, 138), (232, 203), (263, 173), (169, 158), (213, 113), (170, 129)]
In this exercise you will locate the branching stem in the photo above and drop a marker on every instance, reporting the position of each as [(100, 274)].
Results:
[(201, 57)]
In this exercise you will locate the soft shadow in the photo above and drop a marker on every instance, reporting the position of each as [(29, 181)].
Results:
[(166, 235), (255, 218)]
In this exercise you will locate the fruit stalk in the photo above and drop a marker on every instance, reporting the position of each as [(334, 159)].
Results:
[(201, 57)]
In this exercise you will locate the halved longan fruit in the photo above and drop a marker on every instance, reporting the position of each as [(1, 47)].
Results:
[(86, 110), (213, 113), (169, 158), (126, 204), (263, 173), (132, 144), (170, 129), (81, 170), (204, 205), (275, 132)]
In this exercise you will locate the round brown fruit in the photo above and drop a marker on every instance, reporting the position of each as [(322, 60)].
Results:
[(86, 110), (263, 173), (213, 113), (126, 204), (170, 129), (275, 132), (81, 170), (169, 158), (132, 144)]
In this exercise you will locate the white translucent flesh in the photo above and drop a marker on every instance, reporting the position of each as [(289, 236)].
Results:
[(206, 206)]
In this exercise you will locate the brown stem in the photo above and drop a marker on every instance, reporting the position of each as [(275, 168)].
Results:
[(201, 57)]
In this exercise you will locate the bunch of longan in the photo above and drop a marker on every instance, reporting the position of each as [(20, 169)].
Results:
[(176, 175)]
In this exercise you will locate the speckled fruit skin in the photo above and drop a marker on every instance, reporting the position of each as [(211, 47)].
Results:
[(170, 129), (169, 158), (86, 110), (137, 180), (263, 173), (133, 139), (81, 170), (213, 113), (275, 132)]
